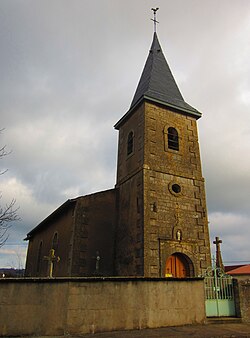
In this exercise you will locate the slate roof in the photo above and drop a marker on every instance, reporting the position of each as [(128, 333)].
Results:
[(157, 84)]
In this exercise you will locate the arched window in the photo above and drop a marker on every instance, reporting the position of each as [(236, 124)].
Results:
[(173, 139), (130, 143), (39, 257), (55, 241)]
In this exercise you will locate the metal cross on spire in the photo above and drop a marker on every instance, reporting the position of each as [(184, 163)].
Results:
[(154, 19)]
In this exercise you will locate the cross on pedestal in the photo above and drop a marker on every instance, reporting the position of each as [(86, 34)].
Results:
[(219, 263), (51, 259)]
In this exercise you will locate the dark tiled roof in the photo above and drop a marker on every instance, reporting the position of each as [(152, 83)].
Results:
[(158, 84)]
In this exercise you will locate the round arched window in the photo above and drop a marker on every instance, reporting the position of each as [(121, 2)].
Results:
[(173, 139)]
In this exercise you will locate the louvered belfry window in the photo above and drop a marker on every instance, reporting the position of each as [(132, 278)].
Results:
[(173, 139)]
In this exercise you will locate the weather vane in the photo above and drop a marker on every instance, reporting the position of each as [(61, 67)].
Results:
[(154, 19)]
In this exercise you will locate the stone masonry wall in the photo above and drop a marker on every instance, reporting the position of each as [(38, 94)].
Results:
[(94, 234), (242, 299), (150, 212), (166, 212), (43, 307), (129, 232), (62, 225), (128, 165)]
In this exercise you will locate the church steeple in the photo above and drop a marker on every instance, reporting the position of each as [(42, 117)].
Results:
[(162, 224), (158, 84)]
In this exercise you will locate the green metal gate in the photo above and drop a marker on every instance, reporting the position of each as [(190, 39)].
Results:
[(219, 294)]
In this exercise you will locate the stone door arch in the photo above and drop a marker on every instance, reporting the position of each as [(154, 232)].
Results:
[(179, 265)]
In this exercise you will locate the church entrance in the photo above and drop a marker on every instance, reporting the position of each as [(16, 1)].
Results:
[(178, 265)]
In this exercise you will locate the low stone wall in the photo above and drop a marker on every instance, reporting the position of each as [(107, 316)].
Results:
[(87, 305), (242, 299)]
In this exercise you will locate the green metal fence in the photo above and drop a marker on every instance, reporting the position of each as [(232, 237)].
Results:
[(219, 294)]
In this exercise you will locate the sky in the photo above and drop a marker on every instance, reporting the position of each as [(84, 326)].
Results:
[(68, 73)]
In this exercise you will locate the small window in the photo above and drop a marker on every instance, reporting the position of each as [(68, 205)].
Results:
[(173, 139), (130, 143), (55, 241), (39, 257), (176, 188)]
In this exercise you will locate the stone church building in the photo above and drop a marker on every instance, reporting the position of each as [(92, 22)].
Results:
[(153, 223)]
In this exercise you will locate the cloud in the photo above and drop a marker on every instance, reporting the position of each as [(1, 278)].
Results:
[(235, 232), (13, 258), (68, 73)]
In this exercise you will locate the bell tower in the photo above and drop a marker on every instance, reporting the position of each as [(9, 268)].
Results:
[(162, 227)]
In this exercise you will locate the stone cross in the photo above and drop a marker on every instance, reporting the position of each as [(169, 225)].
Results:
[(51, 258), (219, 263)]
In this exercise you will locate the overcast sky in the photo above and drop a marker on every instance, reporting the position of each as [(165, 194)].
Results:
[(68, 72)]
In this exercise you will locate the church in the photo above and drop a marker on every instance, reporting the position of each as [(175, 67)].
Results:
[(153, 223)]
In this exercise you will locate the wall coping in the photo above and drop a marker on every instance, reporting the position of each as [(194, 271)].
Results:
[(96, 279)]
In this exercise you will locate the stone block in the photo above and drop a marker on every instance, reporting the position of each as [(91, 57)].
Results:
[(203, 264), (201, 235), (198, 208)]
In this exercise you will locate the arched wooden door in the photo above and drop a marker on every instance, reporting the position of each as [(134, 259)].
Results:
[(178, 266)]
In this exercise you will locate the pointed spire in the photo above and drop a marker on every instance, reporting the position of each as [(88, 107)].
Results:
[(158, 84)]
